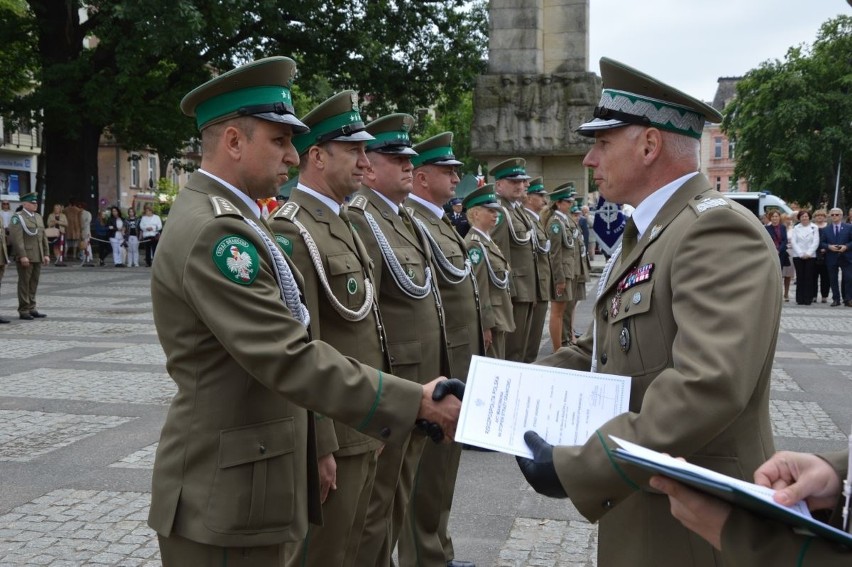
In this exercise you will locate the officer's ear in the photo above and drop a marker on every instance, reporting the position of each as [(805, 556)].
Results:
[(652, 140)]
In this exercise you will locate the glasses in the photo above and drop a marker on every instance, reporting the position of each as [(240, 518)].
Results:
[(835, 214)]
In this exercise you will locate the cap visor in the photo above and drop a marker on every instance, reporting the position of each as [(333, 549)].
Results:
[(395, 150), (589, 128), (362, 136), (299, 127), (445, 162), (490, 205)]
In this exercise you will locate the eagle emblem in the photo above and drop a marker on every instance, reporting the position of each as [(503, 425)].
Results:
[(237, 259)]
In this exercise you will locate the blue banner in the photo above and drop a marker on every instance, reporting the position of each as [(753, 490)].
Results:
[(608, 226)]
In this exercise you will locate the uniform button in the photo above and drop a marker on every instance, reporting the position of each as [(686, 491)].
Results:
[(262, 448), (392, 359), (385, 432), (607, 503), (604, 314), (603, 358)]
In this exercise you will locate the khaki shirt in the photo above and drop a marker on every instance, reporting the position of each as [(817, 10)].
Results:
[(32, 242)]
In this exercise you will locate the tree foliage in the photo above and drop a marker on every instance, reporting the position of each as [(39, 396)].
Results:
[(124, 67), (792, 119)]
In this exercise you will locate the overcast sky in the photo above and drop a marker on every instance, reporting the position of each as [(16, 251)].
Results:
[(689, 44)]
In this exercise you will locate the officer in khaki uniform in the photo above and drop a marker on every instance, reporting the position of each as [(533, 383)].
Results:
[(490, 268), (513, 235), (425, 540), (688, 308), (535, 203), (563, 260), (344, 311), (235, 475), (4, 259), (29, 245), (411, 311)]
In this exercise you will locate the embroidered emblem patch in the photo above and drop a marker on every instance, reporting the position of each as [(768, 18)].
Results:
[(351, 286), (554, 228), (237, 259), (15, 219), (475, 255), (285, 244), (410, 273), (708, 203)]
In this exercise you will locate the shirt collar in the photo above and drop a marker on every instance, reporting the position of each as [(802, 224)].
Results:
[(438, 211), (485, 235), (324, 199), (534, 215), (391, 204), (250, 203), (648, 209)]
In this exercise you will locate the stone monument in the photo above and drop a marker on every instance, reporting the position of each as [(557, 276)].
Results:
[(537, 90)]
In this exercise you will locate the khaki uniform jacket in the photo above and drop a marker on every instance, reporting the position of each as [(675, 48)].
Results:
[(496, 302), (413, 325), (563, 259), (582, 268), (348, 278), (4, 254), (35, 247), (460, 301), (520, 255), (544, 285), (236, 462), (749, 540), (698, 339)]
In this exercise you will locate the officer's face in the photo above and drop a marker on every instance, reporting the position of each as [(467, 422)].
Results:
[(30, 206), (511, 189), (441, 181), (267, 155), (343, 167), (391, 175), (616, 159), (536, 202)]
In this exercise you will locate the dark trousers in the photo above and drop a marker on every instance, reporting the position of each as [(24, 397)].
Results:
[(805, 280), (821, 281), (150, 248), (840, 274)]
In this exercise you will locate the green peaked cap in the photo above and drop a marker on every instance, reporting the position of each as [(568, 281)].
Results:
[(482, 197), (337, 119), (29, 197), (564, 192), (536, 186), (260, 89), (513, 168), (437, 150), (391, 135)]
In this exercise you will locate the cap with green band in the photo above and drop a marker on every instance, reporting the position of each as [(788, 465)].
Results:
[(29, 197), (564, 192), (390, 135), (260, 89), (632, 97), (536, 187), (513, 168), (437, 150), (482, 197), (337, 119)]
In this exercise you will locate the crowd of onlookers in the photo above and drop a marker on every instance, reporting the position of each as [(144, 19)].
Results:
[(815, 249)]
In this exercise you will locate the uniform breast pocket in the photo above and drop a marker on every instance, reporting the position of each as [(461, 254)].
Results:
[(346, 279), (636, 333), (253, 488), (411, 262)]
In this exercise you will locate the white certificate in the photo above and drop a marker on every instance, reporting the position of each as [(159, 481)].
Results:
[(503, 400)]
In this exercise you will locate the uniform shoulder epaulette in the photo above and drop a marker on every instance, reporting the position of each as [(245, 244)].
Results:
[(223, 208), (358, 202), (475, 237), (287, 211), (704, 204)]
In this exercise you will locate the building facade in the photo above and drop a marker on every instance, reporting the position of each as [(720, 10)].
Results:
[(19, 151), (718, 153)]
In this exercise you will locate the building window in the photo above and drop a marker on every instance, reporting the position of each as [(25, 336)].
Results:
[(718, 184), (717, 148), (134, 171), (152, 170), (731, 145)]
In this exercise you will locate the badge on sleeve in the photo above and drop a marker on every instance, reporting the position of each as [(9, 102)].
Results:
[(285, 244), (475, 255), (555, 228), (15, 219), (237, 259)]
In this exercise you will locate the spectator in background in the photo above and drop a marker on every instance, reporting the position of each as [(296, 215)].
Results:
[(115, 231), (58, 220), (821, 281), (72, 233), (85, 235), (150, 226), (131, 232), (100, 234), (458, 218), (836, 239), (804, 240), (778, 233), (849, 216)]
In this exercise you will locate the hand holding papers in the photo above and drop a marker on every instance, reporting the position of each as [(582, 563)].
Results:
[(505, 399)]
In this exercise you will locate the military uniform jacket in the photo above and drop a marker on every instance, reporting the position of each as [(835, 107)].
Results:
[(541, 246), (495, 300), (563, 259), (749, 540), (697, 336), (515, 242), (236, 462), (26, 232), (4, 254), (581, 258), (348, 277), (459, 300), (413, 325)]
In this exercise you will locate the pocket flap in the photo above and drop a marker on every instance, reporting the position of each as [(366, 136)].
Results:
[(250, 443), (343, 264), (408, 352), (635, 301)]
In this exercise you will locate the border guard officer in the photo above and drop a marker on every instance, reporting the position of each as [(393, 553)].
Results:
[(30, 247), (535, 203), (563, 248)]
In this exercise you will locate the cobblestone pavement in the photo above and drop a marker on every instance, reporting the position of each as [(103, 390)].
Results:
[(83, 395)]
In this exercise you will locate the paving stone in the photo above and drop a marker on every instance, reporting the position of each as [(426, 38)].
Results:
[(838, 324), (534, 541), (835, 356), (141, 459), (51, 327), (806, 420), (114, 386), (783, 382), (823, 339), (132, 354)]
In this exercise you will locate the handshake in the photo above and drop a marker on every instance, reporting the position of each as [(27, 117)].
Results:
[(438, 417)]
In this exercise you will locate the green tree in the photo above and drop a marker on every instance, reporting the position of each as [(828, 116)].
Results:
[(126, 66), (792, 119), (451, 115)]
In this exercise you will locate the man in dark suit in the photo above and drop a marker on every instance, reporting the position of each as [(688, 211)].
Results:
[(457, 216), (836, 241)]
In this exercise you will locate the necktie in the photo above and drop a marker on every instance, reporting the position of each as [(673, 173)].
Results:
[(629, 238), (836, 230), (407, 223)]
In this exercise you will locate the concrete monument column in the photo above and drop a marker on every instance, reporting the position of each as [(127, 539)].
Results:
[(537, 89)]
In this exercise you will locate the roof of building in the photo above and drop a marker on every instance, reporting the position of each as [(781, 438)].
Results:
[(725, 92)]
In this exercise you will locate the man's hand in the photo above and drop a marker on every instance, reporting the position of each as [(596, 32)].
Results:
[(328, 475), (46, 260), (443, 413), (487, 338), (800, 476), (540, 471), (698, 512), (24, 261)]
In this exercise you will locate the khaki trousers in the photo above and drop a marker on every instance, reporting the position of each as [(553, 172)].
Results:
[(539, 314), (176, 551), (498, 345), (28, 277), (516, 341)]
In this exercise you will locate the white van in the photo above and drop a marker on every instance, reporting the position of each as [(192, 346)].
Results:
[(759, 202)]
